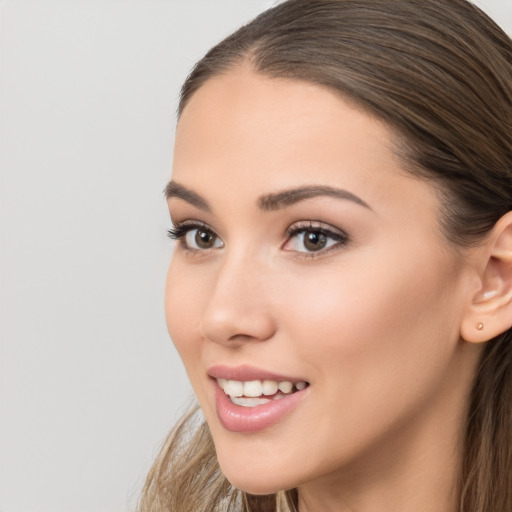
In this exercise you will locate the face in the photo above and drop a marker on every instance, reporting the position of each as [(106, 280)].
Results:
[(313, 300)]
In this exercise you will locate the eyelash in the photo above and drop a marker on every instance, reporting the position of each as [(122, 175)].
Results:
[(179, 231), (340, 238)]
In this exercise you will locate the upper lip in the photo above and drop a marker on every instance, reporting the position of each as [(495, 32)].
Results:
[(247, 373)]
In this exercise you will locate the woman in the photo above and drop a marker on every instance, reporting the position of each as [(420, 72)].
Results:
[(341, 288)]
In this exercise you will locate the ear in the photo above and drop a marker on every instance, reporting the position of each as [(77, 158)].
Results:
[(490, 311)]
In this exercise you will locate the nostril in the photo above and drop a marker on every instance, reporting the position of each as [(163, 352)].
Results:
[(236, 324)]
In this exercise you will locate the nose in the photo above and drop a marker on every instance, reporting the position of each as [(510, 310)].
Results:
[(239, 310)]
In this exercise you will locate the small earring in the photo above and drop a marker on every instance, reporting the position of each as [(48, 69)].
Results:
[(480, 326)]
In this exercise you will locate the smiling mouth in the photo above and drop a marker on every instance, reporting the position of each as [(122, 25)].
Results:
[(258, 392)]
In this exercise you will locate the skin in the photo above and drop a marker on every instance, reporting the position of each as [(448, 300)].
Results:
[(372, 323)]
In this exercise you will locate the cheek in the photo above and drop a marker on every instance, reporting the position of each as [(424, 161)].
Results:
[(381, 327), (378, 345), (183, 302)]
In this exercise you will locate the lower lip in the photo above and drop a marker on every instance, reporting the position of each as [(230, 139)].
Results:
[(237, 418)]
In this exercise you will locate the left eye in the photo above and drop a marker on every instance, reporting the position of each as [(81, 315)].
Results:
[(312, 239)]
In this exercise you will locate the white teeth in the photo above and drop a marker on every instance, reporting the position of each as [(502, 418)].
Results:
[(270, 387), (286, 387), (249, 402), (253, 388), (234, 388), (257, 388)]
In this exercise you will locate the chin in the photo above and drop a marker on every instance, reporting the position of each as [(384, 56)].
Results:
[(251, 475), (260, 482), (255, 485)]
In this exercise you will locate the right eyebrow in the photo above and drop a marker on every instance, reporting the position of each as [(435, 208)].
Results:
[(268, 202), (174, 189)]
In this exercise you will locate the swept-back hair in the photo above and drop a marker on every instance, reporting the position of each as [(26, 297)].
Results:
[(439, 74)]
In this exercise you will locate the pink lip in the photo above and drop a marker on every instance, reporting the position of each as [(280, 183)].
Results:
[(236, 418), (246, 373)]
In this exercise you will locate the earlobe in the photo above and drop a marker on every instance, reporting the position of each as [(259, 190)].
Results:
[(490, 311)]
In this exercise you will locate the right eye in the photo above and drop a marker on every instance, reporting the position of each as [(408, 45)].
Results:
[(201, 238), (195, 237)]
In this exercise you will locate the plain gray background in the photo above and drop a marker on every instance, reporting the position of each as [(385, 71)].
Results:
[(89, 381)]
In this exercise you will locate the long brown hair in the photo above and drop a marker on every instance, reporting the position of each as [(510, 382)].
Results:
[(439, 74)]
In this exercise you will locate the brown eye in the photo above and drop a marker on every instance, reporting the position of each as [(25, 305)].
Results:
[(202, 239), (314, 241)]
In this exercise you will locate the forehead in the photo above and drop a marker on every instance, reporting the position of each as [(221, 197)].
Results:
[(242, 91), (244, 133), (245, 110)]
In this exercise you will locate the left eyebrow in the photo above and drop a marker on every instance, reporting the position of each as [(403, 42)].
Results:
[(289, 197), (267, 202)]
